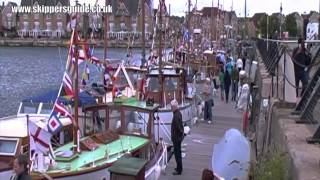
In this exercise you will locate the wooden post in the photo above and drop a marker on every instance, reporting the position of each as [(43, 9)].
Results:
[(106, 121), (122, 119)]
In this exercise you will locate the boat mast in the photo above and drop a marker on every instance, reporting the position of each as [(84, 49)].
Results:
[(160, 55), (105, 34), (143, 60), (76, 90), (189, 27)]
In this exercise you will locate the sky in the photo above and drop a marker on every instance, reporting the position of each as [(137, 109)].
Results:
[(179, 7)]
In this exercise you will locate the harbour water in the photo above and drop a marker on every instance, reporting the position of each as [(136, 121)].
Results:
[(28, 71)]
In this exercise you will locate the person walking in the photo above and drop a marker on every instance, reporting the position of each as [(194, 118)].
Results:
[(221, 79), (301, 59), (208, 96), (227, 84), (20, 168), (235, 80), (239, 64), (177, 134)]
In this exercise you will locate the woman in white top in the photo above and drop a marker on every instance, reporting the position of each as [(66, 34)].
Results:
[(239, 64)]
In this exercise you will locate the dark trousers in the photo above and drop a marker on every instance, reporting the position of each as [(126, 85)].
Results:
[(177, 155), (303, 77), (234, 90), (208, 110), (227, 89)]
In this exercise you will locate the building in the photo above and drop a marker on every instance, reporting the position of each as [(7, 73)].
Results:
[(43, 25), (126, 18), (1, 28), (8, 19)]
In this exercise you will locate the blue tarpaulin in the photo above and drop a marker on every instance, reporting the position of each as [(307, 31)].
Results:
[(50, 97)]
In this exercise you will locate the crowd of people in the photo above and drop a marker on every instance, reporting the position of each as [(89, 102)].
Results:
[(229, 77)]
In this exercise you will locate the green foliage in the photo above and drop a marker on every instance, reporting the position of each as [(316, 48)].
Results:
[(274, 25), (291, 25), (272, 166)]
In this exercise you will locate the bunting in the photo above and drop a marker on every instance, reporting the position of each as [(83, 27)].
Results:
[(54, 124), (67, 90), (59, 108)]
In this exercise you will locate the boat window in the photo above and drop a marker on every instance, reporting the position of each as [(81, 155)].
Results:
[(153, 84), (171, 84), (46, 108), (136, 122), (29, 108), (8, 146)]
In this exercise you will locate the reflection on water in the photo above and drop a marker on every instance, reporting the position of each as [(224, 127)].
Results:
[(28, 71)]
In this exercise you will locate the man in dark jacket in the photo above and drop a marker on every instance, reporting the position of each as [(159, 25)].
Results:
[(301, 59), (177, 134), (20, 169)]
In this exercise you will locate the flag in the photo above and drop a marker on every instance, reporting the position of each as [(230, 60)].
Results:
[(67, 86), (39, 138), (54, 124), (59, 108)]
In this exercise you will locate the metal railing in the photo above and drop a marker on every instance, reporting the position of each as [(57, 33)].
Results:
[(271, 53)]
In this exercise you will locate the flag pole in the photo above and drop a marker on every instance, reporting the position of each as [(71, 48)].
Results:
[(29, 151), (75, 126)]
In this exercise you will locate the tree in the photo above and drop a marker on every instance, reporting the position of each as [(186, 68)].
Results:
[(291, 25), (274, 24)]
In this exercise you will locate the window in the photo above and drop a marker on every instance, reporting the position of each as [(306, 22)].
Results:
[(25, 16), (46, 109), (8, 146), (48, 16), (29, 108), (36, 16), (59, 16)]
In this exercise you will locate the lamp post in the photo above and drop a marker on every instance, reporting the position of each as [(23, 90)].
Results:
[(280, 30)]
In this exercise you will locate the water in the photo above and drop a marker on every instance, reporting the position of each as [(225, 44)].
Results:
[(29, 71)]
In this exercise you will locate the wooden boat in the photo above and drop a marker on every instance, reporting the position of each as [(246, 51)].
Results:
[(14, 130), (174, 87)]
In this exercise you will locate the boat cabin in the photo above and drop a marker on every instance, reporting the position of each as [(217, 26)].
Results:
[(174, 85)]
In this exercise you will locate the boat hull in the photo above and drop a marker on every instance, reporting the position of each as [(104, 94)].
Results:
[(162, 128), (6, 174)]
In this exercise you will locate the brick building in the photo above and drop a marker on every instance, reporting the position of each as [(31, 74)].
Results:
[(44, 25)]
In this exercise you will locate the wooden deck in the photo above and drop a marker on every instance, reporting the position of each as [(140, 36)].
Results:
[(199, 144)]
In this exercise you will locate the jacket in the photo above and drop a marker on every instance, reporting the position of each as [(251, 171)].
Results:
[(177, 131)]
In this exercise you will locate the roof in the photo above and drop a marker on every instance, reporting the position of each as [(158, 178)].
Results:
[(17, 127), (207, 11), (50, 97), (45, 2), (166, 72), (131, 5)]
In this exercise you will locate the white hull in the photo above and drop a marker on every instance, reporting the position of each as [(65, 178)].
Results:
[(5, 175), (165, 115)]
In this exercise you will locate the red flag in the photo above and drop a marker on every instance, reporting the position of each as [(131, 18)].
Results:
[(67, 86), (59, 108)]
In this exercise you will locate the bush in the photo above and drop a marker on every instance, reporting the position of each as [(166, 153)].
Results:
[(271, 166)]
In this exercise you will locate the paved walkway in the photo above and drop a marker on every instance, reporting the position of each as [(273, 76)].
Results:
[(201, 140)]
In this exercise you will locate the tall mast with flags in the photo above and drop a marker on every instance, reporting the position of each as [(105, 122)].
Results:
[(143, 30), (161, 6)]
